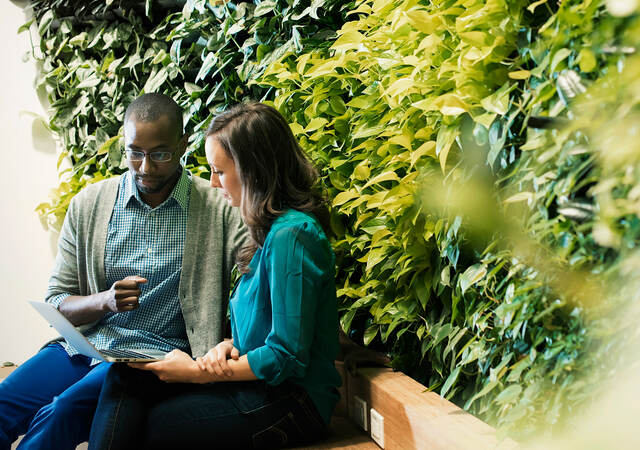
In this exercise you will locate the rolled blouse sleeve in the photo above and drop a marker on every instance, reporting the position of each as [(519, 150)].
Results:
[(298, 260)]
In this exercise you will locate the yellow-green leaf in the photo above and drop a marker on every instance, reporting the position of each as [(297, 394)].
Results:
[(348, 40), (558, 57), (424, 21), (520, 197), (315, 124), (362, 171), (587, 60), (520, 74), (428, 148), (344, 197), (104, 148), (386, 176)]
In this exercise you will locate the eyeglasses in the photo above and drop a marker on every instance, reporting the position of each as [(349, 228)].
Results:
[(134, 155)]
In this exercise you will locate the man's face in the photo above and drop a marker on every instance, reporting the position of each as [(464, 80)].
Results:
[(153, 177)]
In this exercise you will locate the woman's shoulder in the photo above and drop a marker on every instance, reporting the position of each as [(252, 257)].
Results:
[(293, 218), (293, 223), (299, 233)]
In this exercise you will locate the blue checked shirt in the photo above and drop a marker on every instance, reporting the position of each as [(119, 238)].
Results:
[(149, 243)]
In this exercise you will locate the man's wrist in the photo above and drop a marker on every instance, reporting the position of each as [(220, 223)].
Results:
[(104, 301)]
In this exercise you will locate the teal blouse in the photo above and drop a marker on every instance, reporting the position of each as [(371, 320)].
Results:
[(284, 314)]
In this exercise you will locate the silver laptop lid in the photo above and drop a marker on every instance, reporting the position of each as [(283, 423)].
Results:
[(67, 330)]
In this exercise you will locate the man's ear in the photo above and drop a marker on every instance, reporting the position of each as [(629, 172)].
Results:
[(183, 144)]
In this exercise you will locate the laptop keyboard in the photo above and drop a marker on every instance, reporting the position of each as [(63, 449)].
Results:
[(116, 353)]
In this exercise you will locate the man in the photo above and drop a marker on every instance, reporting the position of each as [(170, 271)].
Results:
[(144, 261)]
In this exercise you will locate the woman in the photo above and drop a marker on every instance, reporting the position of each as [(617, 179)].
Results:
[(274, 383)]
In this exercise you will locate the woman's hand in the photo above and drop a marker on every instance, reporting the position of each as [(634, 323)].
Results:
[(176, 367), (215, 361)]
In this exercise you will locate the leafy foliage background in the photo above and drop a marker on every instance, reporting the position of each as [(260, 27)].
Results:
[(493, 260)]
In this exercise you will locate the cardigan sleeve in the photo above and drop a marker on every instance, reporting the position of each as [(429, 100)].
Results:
[(299, 260), (64, 277)]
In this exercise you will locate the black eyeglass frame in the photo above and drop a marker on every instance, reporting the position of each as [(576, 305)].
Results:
[(157, 157)]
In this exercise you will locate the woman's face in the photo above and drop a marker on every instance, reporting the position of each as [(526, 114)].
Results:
[(223, 171)]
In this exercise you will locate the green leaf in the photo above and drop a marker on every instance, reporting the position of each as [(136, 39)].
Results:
[(385, 176), (424, 21), (471, 276), (348, 40), (209, 61), (104, 148), (488, 387), (520, 197), (155, 81), (315, 124), (370, 334), (558, 57), (25, 26), (444, 141), (344, 197), (264, 7), (531, 8), (347, 318), (519, 74), (451, 379), (587, 60), (509, 395)]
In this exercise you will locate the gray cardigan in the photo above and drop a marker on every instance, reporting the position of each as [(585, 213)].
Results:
[(214, 232)]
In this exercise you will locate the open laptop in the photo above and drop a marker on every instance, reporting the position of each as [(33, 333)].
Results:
[(78, 341)]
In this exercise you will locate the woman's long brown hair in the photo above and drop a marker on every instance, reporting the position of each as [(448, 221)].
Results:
[(274, 172)]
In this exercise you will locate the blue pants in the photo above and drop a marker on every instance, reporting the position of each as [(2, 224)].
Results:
[(50, 399), (137, 410)]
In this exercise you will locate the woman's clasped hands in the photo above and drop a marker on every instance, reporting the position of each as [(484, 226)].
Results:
[(215, 362), (178, 367)]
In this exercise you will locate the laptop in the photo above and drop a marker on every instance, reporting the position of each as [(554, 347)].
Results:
[(78, 341)]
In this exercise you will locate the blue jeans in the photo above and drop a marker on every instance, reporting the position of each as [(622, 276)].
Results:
[(50, 399), (137, 410)]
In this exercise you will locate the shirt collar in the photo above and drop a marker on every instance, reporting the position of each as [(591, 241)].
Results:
[(180, 193)]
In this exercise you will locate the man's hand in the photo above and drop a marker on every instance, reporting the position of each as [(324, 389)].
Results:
[(176, 367), (124, 294), (215, 361)]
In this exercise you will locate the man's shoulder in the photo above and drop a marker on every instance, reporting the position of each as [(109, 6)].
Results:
[(205, 193), (94, 191), (208, 204)]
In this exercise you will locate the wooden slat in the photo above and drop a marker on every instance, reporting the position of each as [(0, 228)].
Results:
[(343, 434), (416, 419), (5, 371)]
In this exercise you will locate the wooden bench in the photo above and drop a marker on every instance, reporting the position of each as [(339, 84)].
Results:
[(6, 370), (413, 418)]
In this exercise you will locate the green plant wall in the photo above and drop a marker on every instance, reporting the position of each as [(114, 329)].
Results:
[(97, 61), (484, 254)]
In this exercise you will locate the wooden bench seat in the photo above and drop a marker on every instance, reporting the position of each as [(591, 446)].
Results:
[(343, 434), (415, 418), (5, 371)]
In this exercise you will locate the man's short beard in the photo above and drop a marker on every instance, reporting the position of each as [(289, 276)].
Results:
[(149, 190)]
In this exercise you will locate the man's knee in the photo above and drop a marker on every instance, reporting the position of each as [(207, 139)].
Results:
[(60, 408)]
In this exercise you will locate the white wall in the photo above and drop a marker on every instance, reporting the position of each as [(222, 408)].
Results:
[(27, 173)]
